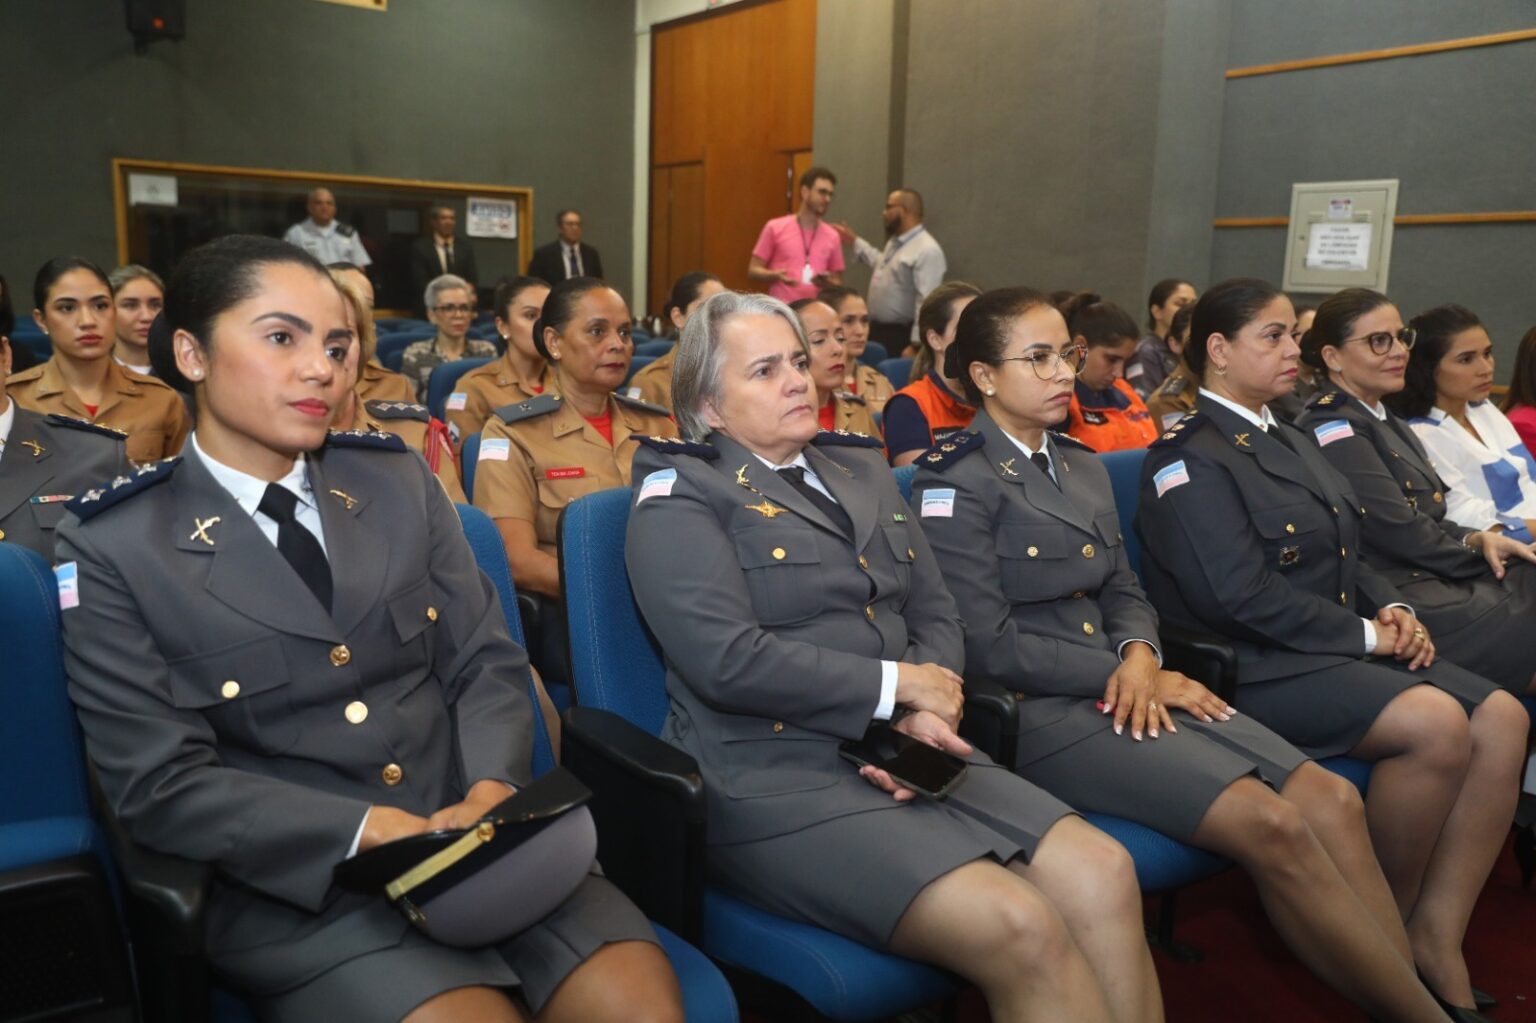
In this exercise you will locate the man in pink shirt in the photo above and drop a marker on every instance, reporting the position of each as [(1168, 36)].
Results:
[(799, 253)]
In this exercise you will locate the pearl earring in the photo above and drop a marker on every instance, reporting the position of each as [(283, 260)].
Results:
[(990, 392), (197, 374)]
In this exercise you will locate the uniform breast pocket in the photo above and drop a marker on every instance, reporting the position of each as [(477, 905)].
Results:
[(245, 691), (555, 494), (782, 567), (1108, 524), (47, 513), (415, 618), (146, 445), (1289, 535), (902, 552), (1032, 559)]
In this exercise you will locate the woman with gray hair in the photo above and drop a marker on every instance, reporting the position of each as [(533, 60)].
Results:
[(798, 607), (450, 302)]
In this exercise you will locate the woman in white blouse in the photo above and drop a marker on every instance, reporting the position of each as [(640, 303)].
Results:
[(1473, 445)]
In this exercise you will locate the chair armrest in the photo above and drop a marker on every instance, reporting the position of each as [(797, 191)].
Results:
[(991, 721), (648, 803), (1205, 658)]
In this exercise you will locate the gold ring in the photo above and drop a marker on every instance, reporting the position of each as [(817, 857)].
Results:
[(1419, 633), (1151, 705)]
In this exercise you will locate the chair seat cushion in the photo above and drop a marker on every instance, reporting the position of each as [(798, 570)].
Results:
[(707, 997), (1162, 863), (1357, 771)]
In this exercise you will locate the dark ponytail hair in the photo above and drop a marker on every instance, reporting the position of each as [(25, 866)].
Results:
[(49, 273), (1225, 309), (1159, 295), (560, 308), (1522, 383), (1096, 321), (982, 333), (1335, 322), (208, 281), (1435, 327), (684, 290)]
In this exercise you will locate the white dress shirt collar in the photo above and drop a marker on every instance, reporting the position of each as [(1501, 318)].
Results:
[(1029, 452), (1265, 422), (247, 490), (802, 462)]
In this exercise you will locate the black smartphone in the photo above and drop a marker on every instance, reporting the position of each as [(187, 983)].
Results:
[(920, 767)]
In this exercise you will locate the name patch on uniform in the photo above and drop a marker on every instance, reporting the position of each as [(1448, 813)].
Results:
[(52, 498), (1169, 418), (657, 484), (1334, 429), (937, 504), (495, 449), (1169, 476), (457, 400), (569, 473), (633, 392), (68, 577)]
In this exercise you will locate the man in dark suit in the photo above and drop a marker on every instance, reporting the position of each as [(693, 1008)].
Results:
[(438, 253), (568, 255)]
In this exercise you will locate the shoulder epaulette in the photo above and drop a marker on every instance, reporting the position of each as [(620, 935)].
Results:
[(1176, 386), (1325, 400), (849, 396), (345, 230), (1180, 431), (365, 439), (846, 439), (71, 423), (643, 406), (1066, 440), (678, 446), (538, 405), (98, 499), (957, 446), (398, 410)]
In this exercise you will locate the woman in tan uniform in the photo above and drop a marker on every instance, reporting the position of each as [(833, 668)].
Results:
[(838, 409), (539, 455), (1176, 394), (375, 382), (518, 375), (82, 380), (654, 382), (853, 316)]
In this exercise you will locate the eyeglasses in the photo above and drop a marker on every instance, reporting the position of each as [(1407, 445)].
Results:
[(1045, 364), (1381, 341), (457, 310)]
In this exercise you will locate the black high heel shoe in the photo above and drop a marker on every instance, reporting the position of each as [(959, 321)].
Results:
[(1525, 853), (1457, 1013), (1483, 1000)]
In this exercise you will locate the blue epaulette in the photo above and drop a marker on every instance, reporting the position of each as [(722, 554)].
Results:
[(365, 439), (538, 405), (845, 439), (69, 422), (98, 499), (398, 410), (1066, 440), (678, 446), (1326, 399), (957, 446), (1178, 432), (643, 406)]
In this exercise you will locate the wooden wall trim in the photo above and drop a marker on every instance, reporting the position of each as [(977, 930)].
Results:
[(1401, 220), (1416, 50)]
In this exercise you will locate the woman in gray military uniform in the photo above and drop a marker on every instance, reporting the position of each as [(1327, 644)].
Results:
[(283, 653), (797, 604), (1025, 529), (1249, 533), (1472, 587)]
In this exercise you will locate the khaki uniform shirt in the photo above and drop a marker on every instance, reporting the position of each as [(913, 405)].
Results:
[(413, 424), (146, 409), (1173, 397), (485, 389), (851, 413), (653, 383), (873, 386), (379, 384), (540, 455)]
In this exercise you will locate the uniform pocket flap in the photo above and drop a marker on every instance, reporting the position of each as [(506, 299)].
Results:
[(760, 548), (1109, 528), (233, 673), (747, 729), (1279, 523), (47, 513), (1031, 541), (412, 611), (901, 543)]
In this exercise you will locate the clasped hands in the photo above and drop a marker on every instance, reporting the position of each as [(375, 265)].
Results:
[(1399, 634), (1141, 693), (388, 823), (932, 695)]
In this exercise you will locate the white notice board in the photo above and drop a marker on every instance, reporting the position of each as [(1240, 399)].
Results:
[(1340, 235)]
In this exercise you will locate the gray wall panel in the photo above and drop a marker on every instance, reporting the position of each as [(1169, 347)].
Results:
[(1269, 31)]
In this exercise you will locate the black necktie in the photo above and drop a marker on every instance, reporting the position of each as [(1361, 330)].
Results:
[(295, 543), (1279, 435), (575, 271), (1043, 463), (795, 477)]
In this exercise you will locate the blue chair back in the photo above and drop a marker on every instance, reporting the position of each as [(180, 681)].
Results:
[(897, 371), (391, 347), (440, 383), (390, 324), (904, 476), (638, 363), (1125, 480), (874, 354), (616, 663), (40, 742), (469, 454), (654, 348)]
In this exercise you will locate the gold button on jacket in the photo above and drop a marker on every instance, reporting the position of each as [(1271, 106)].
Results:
[(340, 655), (357, 712), (229, 690), (392, 774)]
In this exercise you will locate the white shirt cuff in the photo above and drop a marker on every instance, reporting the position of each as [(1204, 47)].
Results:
[(887, 705), (358, 838), (1156, 651), (1370, 636)]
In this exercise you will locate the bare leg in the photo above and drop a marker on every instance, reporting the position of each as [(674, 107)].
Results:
[(996, 930), (1310, 904), (1469, 844), (1421, 744), (624, 982), (1091, 880), (467, 1005)]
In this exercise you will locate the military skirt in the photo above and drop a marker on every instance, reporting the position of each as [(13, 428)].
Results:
[(1500, 643), (855, 875)]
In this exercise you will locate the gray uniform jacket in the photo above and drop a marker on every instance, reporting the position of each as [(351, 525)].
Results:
[(1039, 574), (774, 624), (1256, 542), (48, 460), (234, 721)]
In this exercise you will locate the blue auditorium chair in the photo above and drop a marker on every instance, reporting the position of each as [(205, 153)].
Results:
[(874, 354), (440, 383), (897, 371), (391, 347), (611, 739), (638, 363), (66, 954), (469, 454), (390, 324), (29, 335), (656, 348)]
